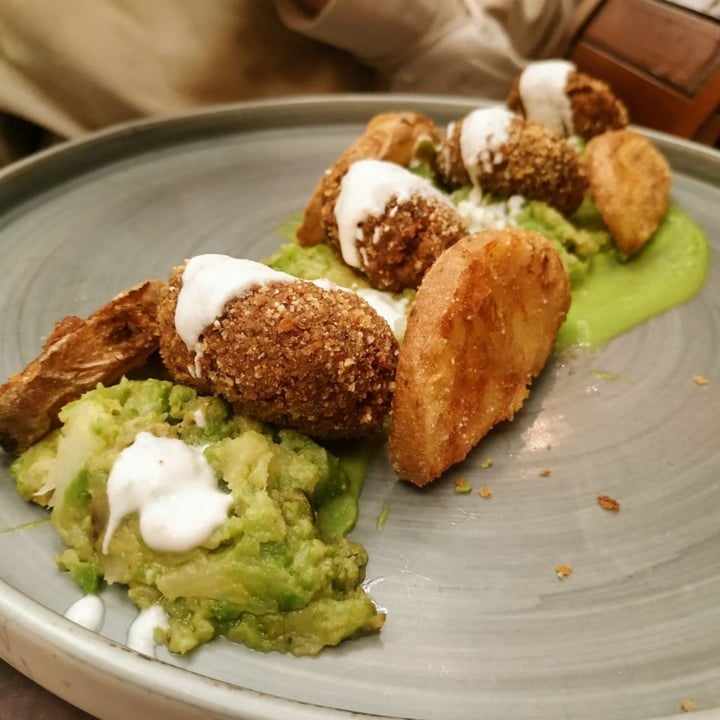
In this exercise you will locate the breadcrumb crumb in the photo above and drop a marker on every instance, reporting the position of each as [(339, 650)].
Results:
[(462, 486), (544, 473), (608, 503), (382, 516), (687, 705), (700, 380), (562, 571), (485, 492)]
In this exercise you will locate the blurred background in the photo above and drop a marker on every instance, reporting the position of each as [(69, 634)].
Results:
[(67, 68), (661, 58)]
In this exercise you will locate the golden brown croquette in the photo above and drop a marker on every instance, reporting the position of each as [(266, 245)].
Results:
[(397, 247), (533, 162), (595, 108), (398, 137), (318, 360)]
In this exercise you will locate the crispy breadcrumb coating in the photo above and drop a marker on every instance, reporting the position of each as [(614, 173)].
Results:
[(398, 137), (397, 247), (535, 163), (595, 108), (291, 353)]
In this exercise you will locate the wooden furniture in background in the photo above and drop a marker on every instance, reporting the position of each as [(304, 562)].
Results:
[(661, 59)]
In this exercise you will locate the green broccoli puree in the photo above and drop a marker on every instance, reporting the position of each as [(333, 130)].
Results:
[(610, 294), (277, 574)]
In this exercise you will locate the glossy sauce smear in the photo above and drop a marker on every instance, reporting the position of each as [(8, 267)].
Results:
[(616, 296)]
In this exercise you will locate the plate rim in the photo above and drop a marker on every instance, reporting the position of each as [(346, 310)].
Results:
[(170, 690)]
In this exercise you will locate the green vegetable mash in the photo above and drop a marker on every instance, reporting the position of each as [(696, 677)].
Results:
[(277, 574), (610, 294)]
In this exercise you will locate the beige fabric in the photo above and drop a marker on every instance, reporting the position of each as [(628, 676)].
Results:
[(70, 66)]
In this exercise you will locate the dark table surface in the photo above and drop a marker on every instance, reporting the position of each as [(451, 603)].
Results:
[(22, 699)]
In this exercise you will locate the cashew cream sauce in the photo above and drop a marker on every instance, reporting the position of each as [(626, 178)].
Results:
[(542, 91), (88, 611), (365, 191), (140, 634), (209, 282), (172, 488), (482, 134)]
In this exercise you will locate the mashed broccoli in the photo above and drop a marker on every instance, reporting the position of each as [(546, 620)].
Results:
[(610, 294), (276, 574), (577, 239)]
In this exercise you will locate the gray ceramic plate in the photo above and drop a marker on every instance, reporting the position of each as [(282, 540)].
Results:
[(478, 624)]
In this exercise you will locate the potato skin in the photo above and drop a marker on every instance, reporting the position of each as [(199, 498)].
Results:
[(291, 353), (482, 326), (117, 338)]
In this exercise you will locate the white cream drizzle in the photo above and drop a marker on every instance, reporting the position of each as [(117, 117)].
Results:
[(481, 213), (365, 191), (542, 91), (482, 136), (391, 309), (209, 282), (88, 611), (172, 488), (140, 633)]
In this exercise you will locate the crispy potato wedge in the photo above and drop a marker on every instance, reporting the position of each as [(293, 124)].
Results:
[(481, 327), (630, 183), (77, 356), (394, 137)]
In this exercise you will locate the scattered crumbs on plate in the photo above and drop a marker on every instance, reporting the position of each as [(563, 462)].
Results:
[(562, 571), (687, 705), (700, 380), (605, 375), (485, 492), (544, 473), (382, 516), (486, 463), (462, 486), (608, 503)]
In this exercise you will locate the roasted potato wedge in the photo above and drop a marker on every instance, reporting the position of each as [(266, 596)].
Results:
[(77, 356), (481, 327), (630, 182)]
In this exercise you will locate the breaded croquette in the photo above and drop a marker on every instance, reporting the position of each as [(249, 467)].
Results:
[(78, 355), (397, 137), (481, 327), (389, 223), (504, 154), (630, 183), (555, 94), (286, 351)]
